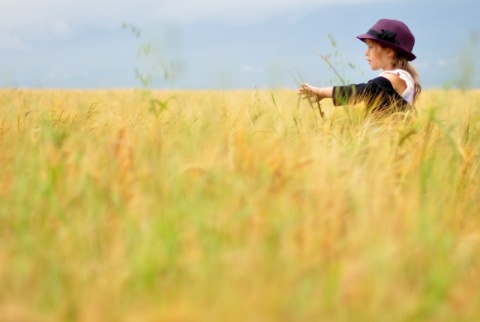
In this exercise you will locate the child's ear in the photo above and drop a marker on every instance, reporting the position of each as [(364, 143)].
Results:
[(391, 53)]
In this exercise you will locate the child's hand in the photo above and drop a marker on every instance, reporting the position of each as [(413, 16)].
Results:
[(309, 92)]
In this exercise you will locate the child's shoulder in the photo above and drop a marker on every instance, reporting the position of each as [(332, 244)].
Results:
[(397, 74), (399, 79), (392, 76), (402, 82)]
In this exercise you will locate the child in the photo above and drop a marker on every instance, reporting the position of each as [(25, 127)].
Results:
[(390, 44)]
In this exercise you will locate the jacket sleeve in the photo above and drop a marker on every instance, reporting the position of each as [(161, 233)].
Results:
[(369, 92)]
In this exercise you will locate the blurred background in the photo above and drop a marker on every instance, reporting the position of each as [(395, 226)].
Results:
[(220, 44)]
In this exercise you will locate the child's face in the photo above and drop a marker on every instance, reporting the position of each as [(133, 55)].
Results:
[(377, 55)]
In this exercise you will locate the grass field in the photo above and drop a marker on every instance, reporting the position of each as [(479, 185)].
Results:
[(137, 205)]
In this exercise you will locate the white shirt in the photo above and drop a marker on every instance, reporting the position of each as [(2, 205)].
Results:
[(408, 79)]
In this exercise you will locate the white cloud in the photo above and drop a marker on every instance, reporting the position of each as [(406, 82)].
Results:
[(27, 16), (24, 21), (443, 62), (240, 11), (246, 68), (61, 29), (10, 42)]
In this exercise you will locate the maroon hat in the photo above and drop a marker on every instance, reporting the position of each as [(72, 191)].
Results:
[(394, 34)]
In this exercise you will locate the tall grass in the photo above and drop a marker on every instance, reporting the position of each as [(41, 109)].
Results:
[(236, 206)]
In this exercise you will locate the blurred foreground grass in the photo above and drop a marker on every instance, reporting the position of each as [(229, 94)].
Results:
[(236, 206)]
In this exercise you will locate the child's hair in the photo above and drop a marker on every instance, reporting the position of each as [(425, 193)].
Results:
[(402, 63)]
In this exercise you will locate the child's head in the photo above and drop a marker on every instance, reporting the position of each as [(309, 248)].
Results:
[(379, 56), (392, 34)]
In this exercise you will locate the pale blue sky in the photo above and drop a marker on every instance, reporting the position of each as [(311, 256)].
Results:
[(224, 44)]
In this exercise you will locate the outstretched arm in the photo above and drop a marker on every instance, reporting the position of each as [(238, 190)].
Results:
[(315, 94)]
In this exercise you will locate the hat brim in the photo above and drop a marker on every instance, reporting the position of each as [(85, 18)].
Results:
[(407, 54)]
